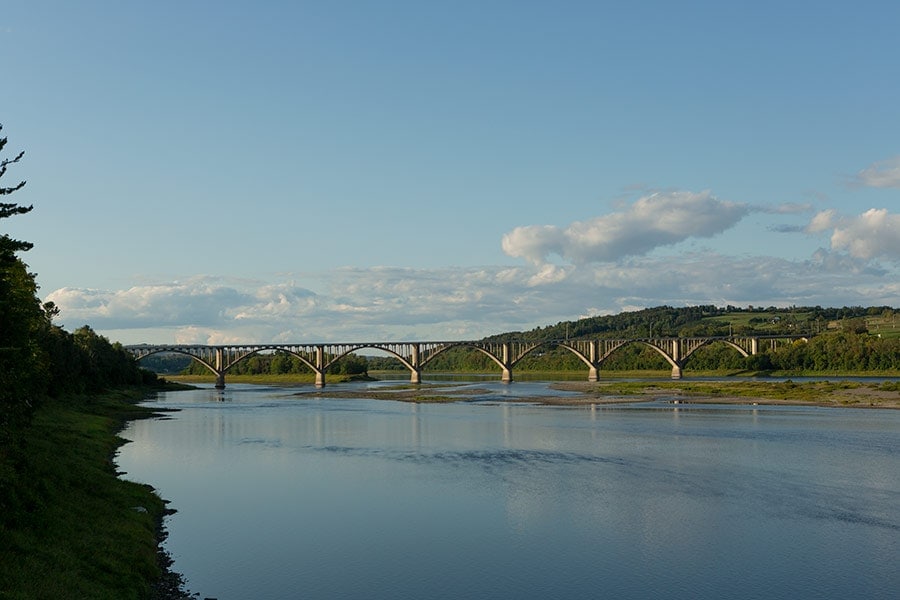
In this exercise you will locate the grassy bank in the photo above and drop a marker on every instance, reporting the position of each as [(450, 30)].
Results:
[(70, 528), (819, 393)]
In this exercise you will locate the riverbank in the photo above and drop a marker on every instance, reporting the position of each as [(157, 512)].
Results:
[(70, 526), (814, 393), (811, 393)]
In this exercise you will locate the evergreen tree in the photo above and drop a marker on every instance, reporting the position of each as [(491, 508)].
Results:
[(23, 361)]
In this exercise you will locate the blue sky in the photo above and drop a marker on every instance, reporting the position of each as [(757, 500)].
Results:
[(215, 172)]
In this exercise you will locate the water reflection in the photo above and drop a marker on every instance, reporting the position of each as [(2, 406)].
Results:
[(287, 497)]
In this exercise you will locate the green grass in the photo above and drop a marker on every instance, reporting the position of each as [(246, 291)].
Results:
[(70, 527), (812, 391)]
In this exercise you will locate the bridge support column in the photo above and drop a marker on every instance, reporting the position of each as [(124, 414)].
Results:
[(320, 366), (594, 374), (754, 345), (676, 358), (220, 372), (507, 376), (415, 373)]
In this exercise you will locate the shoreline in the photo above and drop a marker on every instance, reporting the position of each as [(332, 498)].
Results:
[(821, 394)]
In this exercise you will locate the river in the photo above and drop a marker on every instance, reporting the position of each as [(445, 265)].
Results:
[(282, 496)]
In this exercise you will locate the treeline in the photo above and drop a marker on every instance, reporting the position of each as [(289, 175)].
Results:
[(39, 359)]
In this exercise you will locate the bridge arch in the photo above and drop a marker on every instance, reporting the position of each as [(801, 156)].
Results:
[(175, 350), (251, 353), (374, 346), (506, 374), (710, 341), (661, 351), (585, 351)]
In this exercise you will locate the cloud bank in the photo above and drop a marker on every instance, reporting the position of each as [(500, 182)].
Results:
[(612, 268), (660, 219), (398, 304)]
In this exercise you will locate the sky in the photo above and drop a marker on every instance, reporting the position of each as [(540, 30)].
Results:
[(357, 171)]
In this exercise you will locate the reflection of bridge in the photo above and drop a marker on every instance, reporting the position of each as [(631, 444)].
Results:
[(416, 355)]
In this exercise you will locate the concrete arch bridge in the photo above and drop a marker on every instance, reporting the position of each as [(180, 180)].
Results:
[(416, 355)]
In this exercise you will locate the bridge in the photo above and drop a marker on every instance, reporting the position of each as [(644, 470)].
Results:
[(416, 355)]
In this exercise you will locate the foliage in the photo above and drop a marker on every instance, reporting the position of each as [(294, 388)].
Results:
[(166, 363), (23, 363)]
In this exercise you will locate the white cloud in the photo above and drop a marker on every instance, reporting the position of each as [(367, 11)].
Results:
[(875, 233), (201, 301), (882, 174), (535, 242), (822, 221), (660, 219)]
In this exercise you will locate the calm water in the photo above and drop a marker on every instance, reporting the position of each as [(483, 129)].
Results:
[(281, 496)]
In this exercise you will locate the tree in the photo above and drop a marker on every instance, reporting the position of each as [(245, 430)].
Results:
[(23, 362), (9, 246)]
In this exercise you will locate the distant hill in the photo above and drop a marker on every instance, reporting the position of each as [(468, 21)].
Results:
[(696, 321)]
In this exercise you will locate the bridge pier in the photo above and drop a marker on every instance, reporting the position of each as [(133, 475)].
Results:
[(320, 366), (593, 374), (676, 357), (220, 370), (415, 361), (506, 377)]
